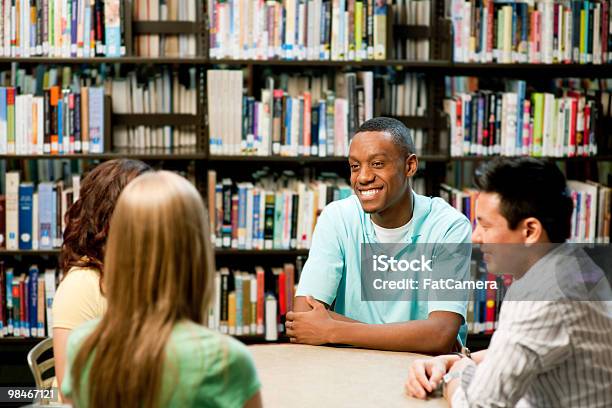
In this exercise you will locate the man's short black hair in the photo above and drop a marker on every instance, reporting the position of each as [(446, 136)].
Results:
[(529, 187), (399, 133)]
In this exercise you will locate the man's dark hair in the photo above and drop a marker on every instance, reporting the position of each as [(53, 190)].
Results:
[(529, 187), (399, 133)]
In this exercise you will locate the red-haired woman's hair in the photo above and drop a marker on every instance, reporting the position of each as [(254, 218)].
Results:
[(88, 219)]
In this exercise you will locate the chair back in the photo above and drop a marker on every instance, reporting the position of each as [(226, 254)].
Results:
[(41, 368)]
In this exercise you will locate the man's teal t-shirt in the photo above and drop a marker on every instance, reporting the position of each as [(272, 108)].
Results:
[(332, 273), (203, 368)]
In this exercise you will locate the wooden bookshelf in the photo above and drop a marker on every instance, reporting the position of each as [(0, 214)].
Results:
[(218, 252), (165, 27), (176, 154), (155, 119), (568, 159), (435, 69), (128, 60), (24, 341), (29, 252), (411, 31)]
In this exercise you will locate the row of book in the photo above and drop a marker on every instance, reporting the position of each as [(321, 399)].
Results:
[(52, 111), (243, 303), (247, 303), (339, 30), (270, 213), (485, 303), (26, 299), (32, 217), (62, 28), (299, 120), (56, 122), (165, 45), (546, 32), (408, 96), (590, 218), (522, 123), (162, 90), (413, 13)]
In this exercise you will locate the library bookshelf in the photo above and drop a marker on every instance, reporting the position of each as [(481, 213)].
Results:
[(436, 158)]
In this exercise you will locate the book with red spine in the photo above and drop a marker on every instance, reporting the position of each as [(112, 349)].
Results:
[(282, 299), (587, 121), (573, 125), (289, 269), (490, 306), (307, 123), (234, 221), (261, 290)]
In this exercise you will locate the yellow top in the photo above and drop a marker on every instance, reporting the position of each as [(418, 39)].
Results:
[(78, 299)]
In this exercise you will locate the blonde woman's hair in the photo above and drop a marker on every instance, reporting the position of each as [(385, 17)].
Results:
[(159, 270)]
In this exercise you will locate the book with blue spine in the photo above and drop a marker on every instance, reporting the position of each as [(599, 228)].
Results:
[(24, 298), (33, 300), (112, 28), (314, 132), (46, 216), (26, 191), (96, 119), (74, 21), (86, 30), (329, 123), (288, 112), (17, 322), (322, 133), (239, 302), (242, 214), (9, 301), (256, 219), (279, 206), (60, 125), (521, 89)]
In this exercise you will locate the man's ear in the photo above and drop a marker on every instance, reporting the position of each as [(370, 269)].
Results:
[(411, 165), (533, 230)]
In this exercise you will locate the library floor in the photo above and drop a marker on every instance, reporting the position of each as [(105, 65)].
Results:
[(318, 376)]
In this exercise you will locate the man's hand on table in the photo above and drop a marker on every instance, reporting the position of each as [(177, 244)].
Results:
[(314, 327), (424, 375)]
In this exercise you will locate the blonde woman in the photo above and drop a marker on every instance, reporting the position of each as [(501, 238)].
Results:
[(150, 349)]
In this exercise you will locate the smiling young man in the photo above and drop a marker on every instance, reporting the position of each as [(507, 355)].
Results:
[(384, 209), (553, 346)]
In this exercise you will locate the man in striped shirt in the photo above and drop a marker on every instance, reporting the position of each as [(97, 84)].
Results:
[(553, 345)]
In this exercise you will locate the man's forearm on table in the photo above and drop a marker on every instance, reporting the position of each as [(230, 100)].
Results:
[(301, 305), (417, 336)]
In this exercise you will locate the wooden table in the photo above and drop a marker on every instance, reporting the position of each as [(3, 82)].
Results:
[(316, 376)]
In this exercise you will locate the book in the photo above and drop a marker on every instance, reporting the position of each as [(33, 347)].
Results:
[(56, 28), (270, 216), (26, 297), (12, 210), (281, 122), (540, 32), (165, 45), (26, 192), (518, 122), (296, 30)]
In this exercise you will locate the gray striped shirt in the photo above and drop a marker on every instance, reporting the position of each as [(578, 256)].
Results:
[(551, 353)]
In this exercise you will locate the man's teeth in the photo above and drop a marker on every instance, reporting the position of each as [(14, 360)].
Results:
[(370, 192)]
